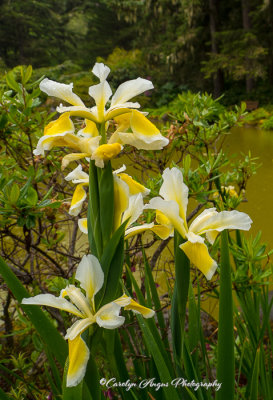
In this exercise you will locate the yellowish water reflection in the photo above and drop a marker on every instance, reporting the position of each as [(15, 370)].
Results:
[(260, 187)]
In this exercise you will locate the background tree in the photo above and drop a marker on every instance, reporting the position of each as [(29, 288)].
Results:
[(214, 46)]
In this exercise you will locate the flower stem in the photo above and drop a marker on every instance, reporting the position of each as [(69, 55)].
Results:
[(102, 133)]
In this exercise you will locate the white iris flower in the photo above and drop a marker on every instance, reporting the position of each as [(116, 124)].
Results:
[(173, 205), (90, 275), (133, 127)]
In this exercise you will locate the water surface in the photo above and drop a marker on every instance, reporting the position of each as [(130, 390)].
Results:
[(259, 191)]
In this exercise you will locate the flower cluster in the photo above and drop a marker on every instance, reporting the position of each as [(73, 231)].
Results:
[(133, 127), (91, 277), (128, 201)]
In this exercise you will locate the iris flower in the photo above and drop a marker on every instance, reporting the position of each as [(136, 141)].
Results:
[(90, 275), (129, 206), (128, 199), (173, 206), (101, 93), (142, 133)]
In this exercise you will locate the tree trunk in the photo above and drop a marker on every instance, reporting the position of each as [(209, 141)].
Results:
[(270, 44), (218, 79), (247, 27)]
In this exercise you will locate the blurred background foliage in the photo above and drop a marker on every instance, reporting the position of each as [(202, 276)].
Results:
[(220, 47)]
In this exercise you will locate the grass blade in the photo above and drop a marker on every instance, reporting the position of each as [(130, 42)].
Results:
[(255, 378)]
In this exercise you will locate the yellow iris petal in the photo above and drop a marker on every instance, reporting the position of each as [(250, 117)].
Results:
[(83, 225), (211, 236), (78, 358), (78, 198), (198, 254), (161, 218), (134, 186), (140, 124), (163, 231), (173, 188), (72, 157), (59, 126), (144, 311), (47, 142), (138, 229), (121, 200), (90, 129), (129, 304), (105, 152), (123, 121)]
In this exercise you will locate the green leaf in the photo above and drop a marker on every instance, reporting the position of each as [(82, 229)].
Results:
[(176, 330), (12, 82), (155, 298), (114, 355), (180, 297), (254, 386), (93, 215), (112, 263), (25, 188), (49, 334), (191, 371), (193, 332), (186, 164), (17, 376), (106, 198), (225, 350), (46, 196), (37, 342), (32, 196), (27, 75), (151, 325), (52, 385), (110, 250), (91, 380), (30, 221), (191, 395), (3, 121), (55, 371), (4, 396), (74, 392), (14, 194), (114, 274), (160, 362)]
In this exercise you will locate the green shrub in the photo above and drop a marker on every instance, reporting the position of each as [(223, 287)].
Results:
[(268, 123), (255, 117)]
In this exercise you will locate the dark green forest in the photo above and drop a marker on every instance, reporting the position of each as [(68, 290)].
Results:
[(215, 46)]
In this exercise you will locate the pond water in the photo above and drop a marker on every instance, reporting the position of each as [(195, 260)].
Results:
[(259, 191)]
